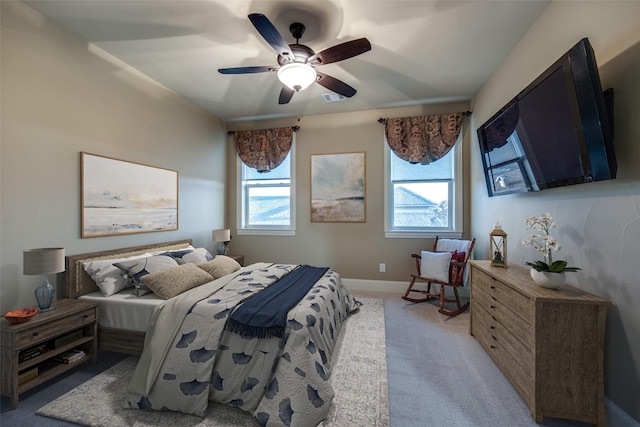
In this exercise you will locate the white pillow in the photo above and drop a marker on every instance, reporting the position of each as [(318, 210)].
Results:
[(107, 276), (192, 256), (135, 269), (435, 265)]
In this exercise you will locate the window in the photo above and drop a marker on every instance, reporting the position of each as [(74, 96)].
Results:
[(509, 168), (423, 200), (265, 200)]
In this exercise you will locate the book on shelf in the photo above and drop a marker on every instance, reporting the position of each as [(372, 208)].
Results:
[(70, 356), (31, 352)]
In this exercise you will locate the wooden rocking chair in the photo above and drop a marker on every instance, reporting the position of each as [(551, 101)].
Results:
[(444, 266)]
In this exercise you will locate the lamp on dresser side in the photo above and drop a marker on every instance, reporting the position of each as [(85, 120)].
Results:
[(43, 261)]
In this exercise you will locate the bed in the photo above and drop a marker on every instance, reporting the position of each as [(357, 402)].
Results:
[(79, 284), (278, 374)]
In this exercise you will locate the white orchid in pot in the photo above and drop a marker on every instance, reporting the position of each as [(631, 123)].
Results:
[(547, 273)]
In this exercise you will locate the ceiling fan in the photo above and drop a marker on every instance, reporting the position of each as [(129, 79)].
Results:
[(297, 62)]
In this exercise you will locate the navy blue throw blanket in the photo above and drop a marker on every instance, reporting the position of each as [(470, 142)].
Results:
[(265, 314)]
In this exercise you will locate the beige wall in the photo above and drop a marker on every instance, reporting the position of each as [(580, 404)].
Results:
[(60, 96), (353, 249), (598, 224)]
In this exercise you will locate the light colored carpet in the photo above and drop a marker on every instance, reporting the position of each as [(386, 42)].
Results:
[(359, 379), (439, 375)]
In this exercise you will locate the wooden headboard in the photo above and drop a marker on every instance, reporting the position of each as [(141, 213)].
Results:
[(78, 282)]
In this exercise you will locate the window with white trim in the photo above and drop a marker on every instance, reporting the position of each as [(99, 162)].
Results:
[(423, 200), (266, 200)]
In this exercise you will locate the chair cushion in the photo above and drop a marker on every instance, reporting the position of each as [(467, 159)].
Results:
[(435, 265)]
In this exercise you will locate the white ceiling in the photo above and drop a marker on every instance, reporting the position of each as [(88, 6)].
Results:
[(423, 51)]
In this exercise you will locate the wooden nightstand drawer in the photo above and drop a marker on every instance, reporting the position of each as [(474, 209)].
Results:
[(54, 328)]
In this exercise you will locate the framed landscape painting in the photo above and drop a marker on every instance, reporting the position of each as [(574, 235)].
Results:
[(338, 187), (120, 197)]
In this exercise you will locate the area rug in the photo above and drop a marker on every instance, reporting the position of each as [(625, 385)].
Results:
[(359, 380)]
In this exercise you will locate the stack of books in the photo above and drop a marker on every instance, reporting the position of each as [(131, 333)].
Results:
[(31, 352), (70, 356)]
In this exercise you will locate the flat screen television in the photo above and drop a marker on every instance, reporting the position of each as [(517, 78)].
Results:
[(556, 132)]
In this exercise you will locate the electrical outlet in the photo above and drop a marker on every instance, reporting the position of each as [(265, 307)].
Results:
[(383, 267)]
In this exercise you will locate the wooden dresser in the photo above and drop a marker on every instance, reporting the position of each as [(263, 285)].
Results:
[(548, 343)]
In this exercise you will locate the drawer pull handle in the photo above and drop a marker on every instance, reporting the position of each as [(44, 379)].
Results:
[(493, 288), (85, 316), (492, 346), (35, 334), (493, 307), (492, 327)]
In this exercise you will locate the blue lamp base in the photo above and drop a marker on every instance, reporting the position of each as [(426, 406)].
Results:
[(44, 295), (221, 249)]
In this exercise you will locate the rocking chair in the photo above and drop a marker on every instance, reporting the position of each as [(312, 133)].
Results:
[(445, 266)]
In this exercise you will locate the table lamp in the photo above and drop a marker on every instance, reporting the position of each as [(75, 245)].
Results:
[(223, 236), (43, 261)]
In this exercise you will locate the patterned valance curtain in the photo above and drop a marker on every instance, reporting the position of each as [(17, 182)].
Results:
[(423, 139), (264, 149)]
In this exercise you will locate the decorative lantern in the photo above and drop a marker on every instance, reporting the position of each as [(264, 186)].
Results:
[(498, 246)]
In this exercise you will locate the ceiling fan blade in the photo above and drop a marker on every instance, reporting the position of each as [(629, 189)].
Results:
[(335, 85), (247, 70), (285, 95), (341, 51), (270, 34)]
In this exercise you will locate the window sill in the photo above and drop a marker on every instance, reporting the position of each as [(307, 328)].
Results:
[(265, 232), (421, 234)]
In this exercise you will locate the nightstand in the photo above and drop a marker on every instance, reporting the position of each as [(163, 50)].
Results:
[(239, 258), (31, 350)]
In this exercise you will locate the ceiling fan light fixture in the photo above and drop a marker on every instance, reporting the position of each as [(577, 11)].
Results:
[(297, 76)]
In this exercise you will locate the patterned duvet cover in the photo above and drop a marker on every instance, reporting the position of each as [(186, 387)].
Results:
[(281, 381)]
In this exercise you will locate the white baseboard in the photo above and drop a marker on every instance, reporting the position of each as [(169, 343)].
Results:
[(389, 286), (616, 417)]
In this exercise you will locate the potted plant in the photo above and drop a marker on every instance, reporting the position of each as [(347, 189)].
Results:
[(547, 273)]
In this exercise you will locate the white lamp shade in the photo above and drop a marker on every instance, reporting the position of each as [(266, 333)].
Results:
[(221, 235), (296, 75), (43, 261)]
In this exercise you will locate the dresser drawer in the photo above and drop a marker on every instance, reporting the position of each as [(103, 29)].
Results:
[(515, 301), (501, 335), (505, 316), (55, 327), (516, 374)]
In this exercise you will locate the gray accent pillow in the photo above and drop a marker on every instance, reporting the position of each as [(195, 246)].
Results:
[(220, 266), (174, 281)]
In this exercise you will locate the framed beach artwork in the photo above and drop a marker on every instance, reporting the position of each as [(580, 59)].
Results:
[(338, 187), (121, 197)]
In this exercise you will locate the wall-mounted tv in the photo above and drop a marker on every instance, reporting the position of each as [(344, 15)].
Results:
[(555, 132)]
